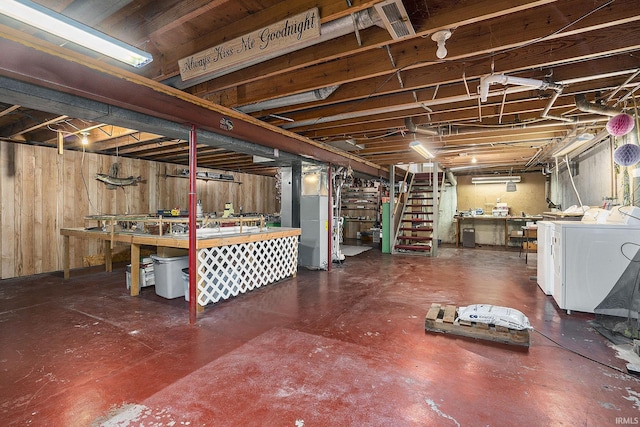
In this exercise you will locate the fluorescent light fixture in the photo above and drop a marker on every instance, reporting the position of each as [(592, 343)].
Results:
[(260, 159), (497, 179), (577, 142), (420, 149), (57, 24)]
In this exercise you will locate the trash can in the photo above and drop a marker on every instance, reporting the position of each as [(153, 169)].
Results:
[(375, 234), (469, 238), (185, 281), (168, 275)]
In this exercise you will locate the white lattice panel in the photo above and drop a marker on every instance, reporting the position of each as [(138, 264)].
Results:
[(227, 271)]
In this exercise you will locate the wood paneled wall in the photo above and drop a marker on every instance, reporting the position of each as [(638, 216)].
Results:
[(530, 197), (42, 192)]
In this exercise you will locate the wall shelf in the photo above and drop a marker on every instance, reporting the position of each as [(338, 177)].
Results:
[(360, 208)]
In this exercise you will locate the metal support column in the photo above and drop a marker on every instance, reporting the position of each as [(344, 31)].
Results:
[(330, 218), (392, 206), (296, 193), (193, 164)]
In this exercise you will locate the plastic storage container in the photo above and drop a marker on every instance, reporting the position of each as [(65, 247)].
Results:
[(168, 275)]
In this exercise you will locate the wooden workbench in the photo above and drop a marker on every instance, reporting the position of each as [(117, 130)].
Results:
[(136, 240), (500, 221)]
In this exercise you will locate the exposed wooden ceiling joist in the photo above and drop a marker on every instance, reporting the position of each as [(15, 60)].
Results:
[(588, 48)]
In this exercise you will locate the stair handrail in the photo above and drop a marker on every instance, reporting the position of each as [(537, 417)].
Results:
[(406, 174), (397, 219)]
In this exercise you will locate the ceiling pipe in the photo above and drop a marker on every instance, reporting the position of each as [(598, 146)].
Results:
[(389, 109), (583, 105), (413, 128), (546, 115), (488, 80), (451, 178), (328, 31)]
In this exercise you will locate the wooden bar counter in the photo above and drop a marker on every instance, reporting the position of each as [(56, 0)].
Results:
[(283, 253)]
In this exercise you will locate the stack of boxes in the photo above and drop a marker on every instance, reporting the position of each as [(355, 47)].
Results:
[(501, 209), (147, 277)]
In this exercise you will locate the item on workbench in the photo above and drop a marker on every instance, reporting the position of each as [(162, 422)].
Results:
[(228, 210)]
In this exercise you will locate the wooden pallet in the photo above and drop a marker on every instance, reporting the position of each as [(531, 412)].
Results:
[(443, 320)]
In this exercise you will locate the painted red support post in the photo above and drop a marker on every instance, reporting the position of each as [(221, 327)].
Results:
[(330, 218), (193, 165)]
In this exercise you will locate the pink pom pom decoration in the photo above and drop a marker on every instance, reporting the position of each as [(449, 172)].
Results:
[(627, 155), (620, 125)]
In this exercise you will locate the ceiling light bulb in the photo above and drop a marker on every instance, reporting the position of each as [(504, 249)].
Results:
[(474, 160), (85, 140), (441, 37)]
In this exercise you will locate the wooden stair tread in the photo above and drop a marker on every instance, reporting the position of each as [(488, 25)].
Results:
[(415, 238), (417, 229), (421, 248)]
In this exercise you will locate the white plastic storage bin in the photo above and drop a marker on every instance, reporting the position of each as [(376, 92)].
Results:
[(168, 275)]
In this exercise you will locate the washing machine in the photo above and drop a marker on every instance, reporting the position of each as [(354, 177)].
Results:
[(588, 260)]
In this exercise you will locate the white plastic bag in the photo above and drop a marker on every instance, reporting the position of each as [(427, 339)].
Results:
[(494, 315)]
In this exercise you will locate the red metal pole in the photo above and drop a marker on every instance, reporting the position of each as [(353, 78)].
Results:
[(193, 164), (330, 219)]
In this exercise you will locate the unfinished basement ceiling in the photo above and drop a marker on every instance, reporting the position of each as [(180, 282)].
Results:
[(367, 89)]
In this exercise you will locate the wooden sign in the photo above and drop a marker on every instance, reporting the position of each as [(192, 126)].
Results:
[(291, 31)]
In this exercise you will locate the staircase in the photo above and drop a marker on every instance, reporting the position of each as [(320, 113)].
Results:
[(415, 232)]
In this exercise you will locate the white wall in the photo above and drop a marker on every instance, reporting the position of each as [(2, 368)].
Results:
[(595, 179), (447, 207)]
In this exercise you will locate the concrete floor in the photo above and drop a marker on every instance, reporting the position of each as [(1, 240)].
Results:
[(345, 348)]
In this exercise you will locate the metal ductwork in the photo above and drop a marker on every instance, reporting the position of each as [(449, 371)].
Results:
[(285, 101), (395, 18), (451, 178), (586, 107), (413, 128)]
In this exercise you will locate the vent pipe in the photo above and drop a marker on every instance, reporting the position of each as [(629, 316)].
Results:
[(452, 178), (486, 81), (586, 107), (413, 128)]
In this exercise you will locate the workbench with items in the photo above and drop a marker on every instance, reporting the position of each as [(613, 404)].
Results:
[(495, 230), (233, 255)]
